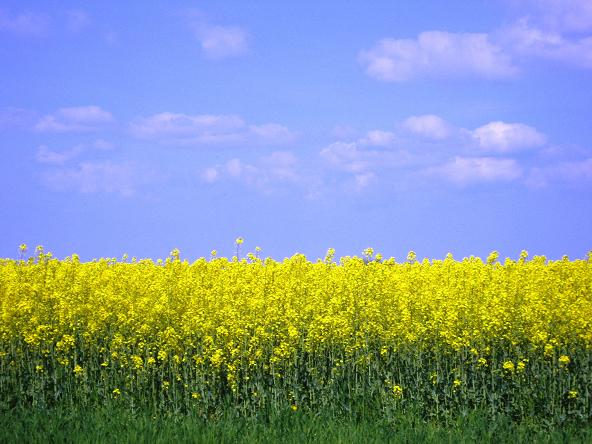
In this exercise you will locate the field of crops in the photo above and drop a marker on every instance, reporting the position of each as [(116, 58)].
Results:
[(359, 337)]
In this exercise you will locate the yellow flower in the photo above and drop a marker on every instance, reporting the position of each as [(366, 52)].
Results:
[(572, 394), (508, 367), (549, 350), (116, 393), (294, 407), (78, 370), (564, 361), (195, 395), (369, 252), (137, 362), (397, 391)]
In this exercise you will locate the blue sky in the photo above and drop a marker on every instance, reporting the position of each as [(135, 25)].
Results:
[(423, 125)]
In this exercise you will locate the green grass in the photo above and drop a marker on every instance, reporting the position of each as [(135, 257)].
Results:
[(110, 424)]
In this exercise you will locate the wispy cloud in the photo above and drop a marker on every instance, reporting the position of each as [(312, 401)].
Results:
[(95, 177), (469, 170), (221, 42), (361, 162), (53, 157), (266, 173), (218, 41), (527, 39), (74, 119), (569, 172), (24, 23), (49, 156), (184, 129), (565, 16), (437, 54)]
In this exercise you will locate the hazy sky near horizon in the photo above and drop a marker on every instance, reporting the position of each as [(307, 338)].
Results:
[(139, 127)]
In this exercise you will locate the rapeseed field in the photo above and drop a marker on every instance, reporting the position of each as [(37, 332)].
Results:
[(356, 336)]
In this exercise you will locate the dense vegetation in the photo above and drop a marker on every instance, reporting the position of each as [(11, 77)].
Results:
[(364, 339)]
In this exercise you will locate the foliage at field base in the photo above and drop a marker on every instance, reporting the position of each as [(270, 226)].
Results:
[(362, 336)]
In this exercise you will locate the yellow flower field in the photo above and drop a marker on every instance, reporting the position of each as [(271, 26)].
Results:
[(439, 335)]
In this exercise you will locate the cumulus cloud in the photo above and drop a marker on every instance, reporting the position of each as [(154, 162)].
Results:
[(24, 24), (206, 129), (428, 126), (435, 54), (74, 119), (468, 170), (94, 177), (280, 167), (507, 137)]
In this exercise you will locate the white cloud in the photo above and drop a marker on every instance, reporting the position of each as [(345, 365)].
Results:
[(24, 24), (94, 177), (364, 180), (571, 16), (466, 170), (349, 157), (272, 132), (362, 163), (526, 39), (572, 172), (74, 119), (437, 54), (234, 167), (210, 175), (206, 129), (220, 42), (181, 126), (429, 126), (507, 137), (378, 138), (46, 155), (265, 173), (77, 20), (281, 165)]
